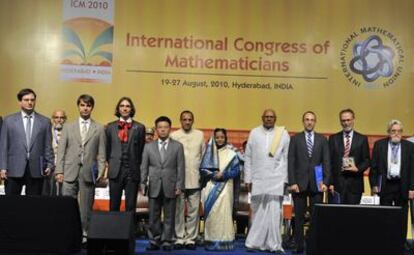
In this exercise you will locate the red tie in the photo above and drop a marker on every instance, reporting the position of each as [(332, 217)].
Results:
[(347, 145), (123, 130)]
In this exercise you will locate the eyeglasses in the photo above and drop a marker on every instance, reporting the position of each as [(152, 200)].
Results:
[(59, 117), (396, 131)]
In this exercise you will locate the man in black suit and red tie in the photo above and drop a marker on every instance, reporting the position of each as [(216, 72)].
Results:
[(349, 153), (125, 140), (308, 153), (392, 170)]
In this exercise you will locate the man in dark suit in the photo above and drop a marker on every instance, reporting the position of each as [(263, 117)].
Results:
[(26, 153), (349, 153), (125, 140), (392, 170), (163, 170), (307, 150)]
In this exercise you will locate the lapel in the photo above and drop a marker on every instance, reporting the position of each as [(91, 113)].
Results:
[(131, 132), (353, 143), (402, 151), (115, 129), (20, 128), (169, 149), (77, 131), (303, 142), (35, 130), (157, 151), (341, 143), (91, 131)]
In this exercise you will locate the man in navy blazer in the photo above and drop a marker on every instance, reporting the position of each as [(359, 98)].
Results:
[(26, 153)]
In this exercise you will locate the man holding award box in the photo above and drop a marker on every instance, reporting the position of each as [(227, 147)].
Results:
[(349, 155)]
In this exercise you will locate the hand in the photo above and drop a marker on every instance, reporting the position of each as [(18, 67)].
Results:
[(411, 194), (351, 168), (374, 190), (323, 187), (59, 178), (218, 176), (178, 192), (294, 188), (142, 189), (331, 188), (249, 187), (46, 172), (3, 174)]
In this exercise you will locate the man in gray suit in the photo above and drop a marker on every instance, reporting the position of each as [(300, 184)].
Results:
[(125, 140), (26, 148), (163, 171), (81, 158), (307, 150)]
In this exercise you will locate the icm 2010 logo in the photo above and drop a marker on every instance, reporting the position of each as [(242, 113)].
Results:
[(372, 58)]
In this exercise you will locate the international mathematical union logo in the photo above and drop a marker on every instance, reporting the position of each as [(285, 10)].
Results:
[(372, 59)]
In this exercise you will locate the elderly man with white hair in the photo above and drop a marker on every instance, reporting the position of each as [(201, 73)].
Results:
[(392, 166)]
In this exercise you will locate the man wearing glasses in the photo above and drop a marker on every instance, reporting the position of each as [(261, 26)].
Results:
[(50, 186)]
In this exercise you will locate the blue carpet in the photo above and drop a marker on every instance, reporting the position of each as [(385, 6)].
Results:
[(240, 249)]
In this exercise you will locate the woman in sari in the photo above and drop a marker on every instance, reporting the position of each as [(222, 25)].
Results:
[(219, 166)]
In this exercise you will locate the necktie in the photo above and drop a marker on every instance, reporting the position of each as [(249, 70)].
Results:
[(347, 145), (123, 130), (84, 131), (394, 154), (163, 151), (28, 133), (309, 143)]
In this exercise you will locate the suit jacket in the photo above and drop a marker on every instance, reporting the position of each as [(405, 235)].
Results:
[(379, 166), (13, 147), (136, 142), (1, 123), (169, 174), (359, 151), (75, 159), (301, 167)]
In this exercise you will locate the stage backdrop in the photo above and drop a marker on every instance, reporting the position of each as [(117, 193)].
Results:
[(224, 60)]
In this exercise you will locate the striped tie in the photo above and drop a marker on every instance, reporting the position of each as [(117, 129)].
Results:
[(309, 143), (347, 145)]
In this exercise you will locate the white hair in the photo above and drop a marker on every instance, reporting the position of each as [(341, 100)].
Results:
[(392, 123)]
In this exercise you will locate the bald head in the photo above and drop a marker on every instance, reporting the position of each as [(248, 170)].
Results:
[(58, 118), (269, 118)]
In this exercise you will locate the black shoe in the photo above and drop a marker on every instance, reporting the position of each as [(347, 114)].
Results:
[(152, 247), (178, 246), (167, 248), (251, 249), (298, 251), (190, 246)]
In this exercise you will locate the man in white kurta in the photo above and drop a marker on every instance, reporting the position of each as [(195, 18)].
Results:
[(266, 175), (186, 228)]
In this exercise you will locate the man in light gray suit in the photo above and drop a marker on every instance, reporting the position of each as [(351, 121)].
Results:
[(163, 171), (81, 158), (26, 153)]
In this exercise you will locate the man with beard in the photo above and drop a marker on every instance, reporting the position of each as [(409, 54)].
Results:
[(391, 175), (50, 186), (349, 153)]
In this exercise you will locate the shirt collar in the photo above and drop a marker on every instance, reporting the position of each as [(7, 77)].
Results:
[(166, 141), (129, 120), (24, 114), (81, 121), (351, 133)]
